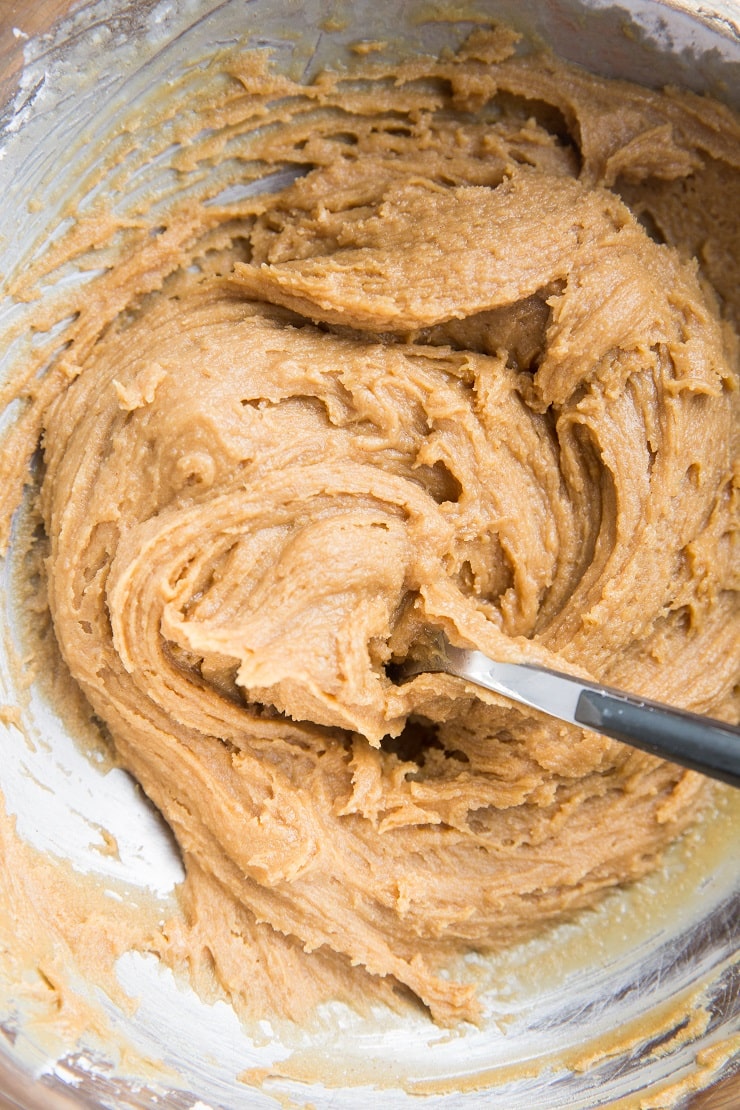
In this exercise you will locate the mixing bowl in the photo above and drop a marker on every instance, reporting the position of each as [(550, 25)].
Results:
[(636, 1002)]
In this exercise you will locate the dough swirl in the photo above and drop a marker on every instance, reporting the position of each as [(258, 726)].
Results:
[(445, 378)]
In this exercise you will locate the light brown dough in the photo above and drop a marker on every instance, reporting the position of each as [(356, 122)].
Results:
[(444, 379)]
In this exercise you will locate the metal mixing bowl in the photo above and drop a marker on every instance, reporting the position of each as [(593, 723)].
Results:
[(68, 76)]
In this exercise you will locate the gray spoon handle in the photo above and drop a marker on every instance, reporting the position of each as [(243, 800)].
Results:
[(704, 745), (711, 747)]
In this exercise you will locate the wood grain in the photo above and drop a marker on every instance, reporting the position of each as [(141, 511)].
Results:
[(31, 17), (724, 1095)]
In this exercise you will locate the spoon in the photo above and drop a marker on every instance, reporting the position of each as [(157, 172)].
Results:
[(700, 743)]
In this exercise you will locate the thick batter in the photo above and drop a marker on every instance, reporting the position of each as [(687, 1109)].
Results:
[(444, 378)]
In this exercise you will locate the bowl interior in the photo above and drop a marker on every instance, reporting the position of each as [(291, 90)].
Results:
[(664, 948)]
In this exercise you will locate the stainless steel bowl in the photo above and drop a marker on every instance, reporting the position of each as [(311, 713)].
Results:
[(69, 74)]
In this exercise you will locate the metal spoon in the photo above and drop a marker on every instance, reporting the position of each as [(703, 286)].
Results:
[(700, 743)]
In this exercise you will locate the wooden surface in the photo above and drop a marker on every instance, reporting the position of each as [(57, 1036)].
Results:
[(722, 1096), (27, 16)]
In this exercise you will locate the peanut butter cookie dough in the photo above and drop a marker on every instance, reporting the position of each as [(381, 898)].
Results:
[(470, 367)]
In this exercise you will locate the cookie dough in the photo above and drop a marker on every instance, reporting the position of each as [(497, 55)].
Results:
[(469, 367)]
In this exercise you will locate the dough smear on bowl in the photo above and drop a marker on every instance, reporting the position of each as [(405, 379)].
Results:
[(469, 367)]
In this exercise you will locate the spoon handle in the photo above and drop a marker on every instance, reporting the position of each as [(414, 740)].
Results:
[(699, 743), (702, 744)]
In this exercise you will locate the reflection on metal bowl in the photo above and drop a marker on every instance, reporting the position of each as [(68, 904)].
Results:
[(644, 961)]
